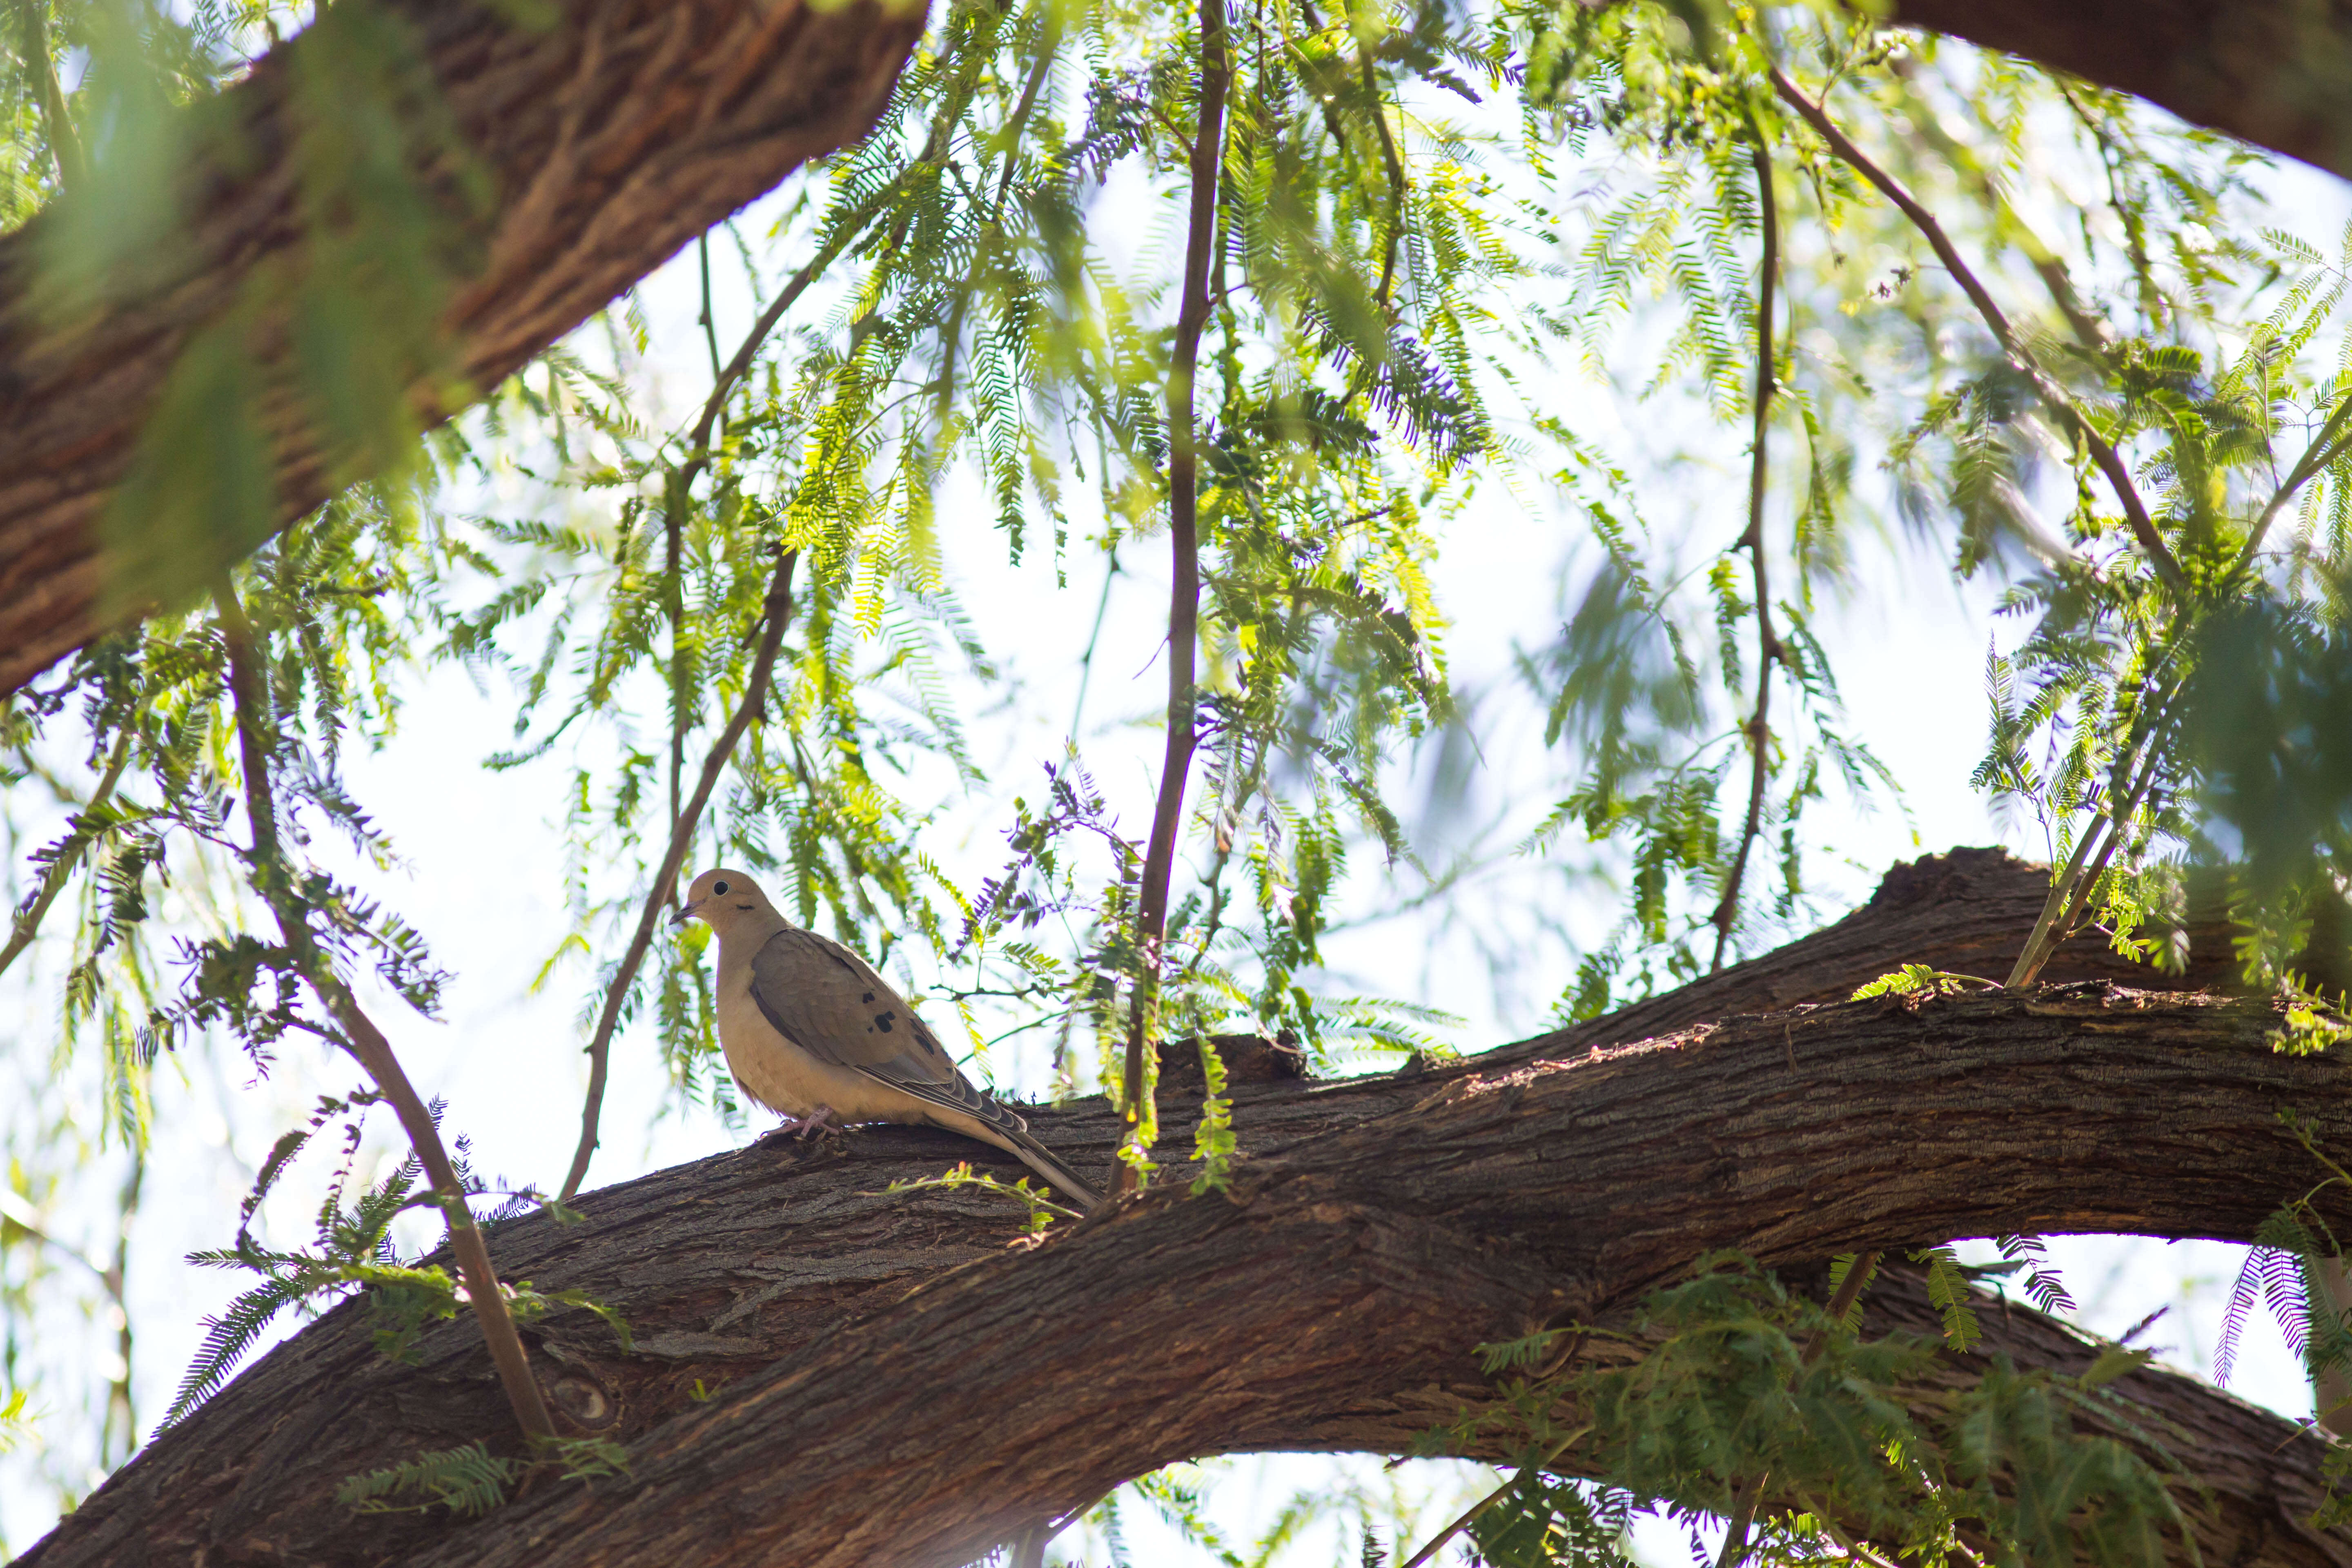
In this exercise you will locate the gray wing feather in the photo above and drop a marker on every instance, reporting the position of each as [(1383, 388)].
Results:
[(830, 1003)]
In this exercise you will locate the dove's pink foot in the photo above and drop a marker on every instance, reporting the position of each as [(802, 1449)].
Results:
[(819, 1121)]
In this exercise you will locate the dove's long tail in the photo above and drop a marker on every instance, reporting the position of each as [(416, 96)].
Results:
[(1046, 1163)]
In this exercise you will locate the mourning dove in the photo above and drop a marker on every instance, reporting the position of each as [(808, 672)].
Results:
[(812, 1032)]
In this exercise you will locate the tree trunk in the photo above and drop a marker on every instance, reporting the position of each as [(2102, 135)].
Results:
[(610, 132), (828, 1375)]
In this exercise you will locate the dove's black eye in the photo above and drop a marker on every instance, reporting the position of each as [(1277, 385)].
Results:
[(718, 887)]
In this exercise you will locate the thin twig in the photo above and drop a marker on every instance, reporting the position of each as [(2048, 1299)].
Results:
[(1049, 45), (1094, 640), (361, 1038), (1743, 1514), (1927, 128), (723, 387), (2038, 945), (674, 505), (2103, 452), (1854, 1548), (724, 383), (1740, 1520), (27, 1219), (119, 1402), (1228, 834), (1768, 642), (777, 614), (708, 319), (2071, 888), (674, 606), (110, 1276), (678, 494), (1857, 1275), (2325, 447), (60, 870), (1184, 588), (1376, 106), (1470, 1515)]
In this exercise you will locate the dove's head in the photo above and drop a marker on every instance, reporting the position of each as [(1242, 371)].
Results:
[(725, 901)]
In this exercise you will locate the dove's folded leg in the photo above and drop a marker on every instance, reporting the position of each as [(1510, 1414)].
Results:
[(821, 1120)]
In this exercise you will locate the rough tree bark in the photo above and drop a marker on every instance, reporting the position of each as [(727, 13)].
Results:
[(896, 1380), (610, 132), (619, 129)]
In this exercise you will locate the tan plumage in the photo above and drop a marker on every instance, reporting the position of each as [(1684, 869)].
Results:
[(811, 1031)]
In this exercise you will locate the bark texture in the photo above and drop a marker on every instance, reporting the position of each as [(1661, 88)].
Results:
[(2276, 72), (605, 134), (899, 1379)]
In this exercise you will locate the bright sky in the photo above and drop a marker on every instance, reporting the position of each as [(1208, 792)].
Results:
[(486, 890)]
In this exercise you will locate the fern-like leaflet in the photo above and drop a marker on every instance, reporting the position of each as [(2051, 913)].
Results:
[(1948, 1292), (467, 1481), (2043, 1283)]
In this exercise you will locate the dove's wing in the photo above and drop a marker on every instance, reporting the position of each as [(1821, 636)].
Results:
[(829, 1002)]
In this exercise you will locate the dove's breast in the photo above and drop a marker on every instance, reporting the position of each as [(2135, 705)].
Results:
[(784, 1077)]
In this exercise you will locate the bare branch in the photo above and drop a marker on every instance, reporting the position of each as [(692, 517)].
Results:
[(2053, 396), (777, 615), (1768, 642), (1185, 587), (364, 1041)]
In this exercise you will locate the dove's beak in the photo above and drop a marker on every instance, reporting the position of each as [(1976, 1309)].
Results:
[(685, 912)]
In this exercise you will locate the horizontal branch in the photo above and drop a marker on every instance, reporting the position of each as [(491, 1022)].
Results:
[(1344, 1281), (1966, 912), (606, 133), (900, 1379)]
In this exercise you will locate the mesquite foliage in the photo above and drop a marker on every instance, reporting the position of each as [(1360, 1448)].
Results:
[(1785, 231)]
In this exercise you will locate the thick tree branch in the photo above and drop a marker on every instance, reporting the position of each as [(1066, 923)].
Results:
[(610, 131), (1343, 1275), (1383, 1226)]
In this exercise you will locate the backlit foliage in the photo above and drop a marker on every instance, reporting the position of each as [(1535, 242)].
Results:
[(1732, 1377), (1426, 219)]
